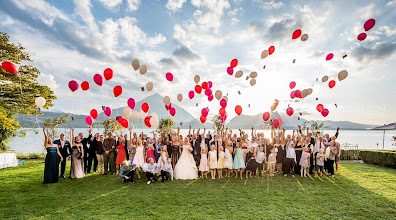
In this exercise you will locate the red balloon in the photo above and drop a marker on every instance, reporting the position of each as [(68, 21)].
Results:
[(319, 107), (203, 119), (120, 118), (296, 34), (145, 107), (108, 74), (292, 85), (325, 112), (172, 111), (124, 123), (210, 84), (168, 106), (329, 56), (369, 24), (198, 89), (98, 79), (222, 111), (292, 96), (85, 85), (275, 123), (93, 113), (169, 76), (73, 85), (205, 85), (10, 67), (238, 109), (362, 36), (280, 122), (117, 91), (234, 63), (332, 84), (266, 116), (297, 93), (191, 94), (208, 92), (147, 121), (204, 112), (271, 50), (289, 111), (210, 98)]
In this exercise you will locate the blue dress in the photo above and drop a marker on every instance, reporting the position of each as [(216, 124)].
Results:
[(51, 169), (157, 148), (239, 163)]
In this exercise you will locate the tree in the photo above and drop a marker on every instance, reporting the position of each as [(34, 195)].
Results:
[(51, 124), (18, 91), (314, 126), (110, 126), (165, 126), (217, 124)]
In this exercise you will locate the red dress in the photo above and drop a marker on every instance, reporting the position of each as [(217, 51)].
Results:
[(121, 155), (150, 154)]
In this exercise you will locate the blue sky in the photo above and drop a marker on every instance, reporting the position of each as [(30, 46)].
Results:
[(73, 40)]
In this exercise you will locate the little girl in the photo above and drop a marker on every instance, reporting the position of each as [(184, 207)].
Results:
[(304, 161), (150, 152), (203, 164), (220, 162), (228, 159), (213, 161), (272, 162), (238, 163)]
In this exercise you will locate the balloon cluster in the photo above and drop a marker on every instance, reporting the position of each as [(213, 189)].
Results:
[(367, 26), (322, 110), (341, 76), (143, 70), (297, 33), (205, 86), (168, 105)]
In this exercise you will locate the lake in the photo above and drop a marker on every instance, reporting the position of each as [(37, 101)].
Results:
[(33, 142)]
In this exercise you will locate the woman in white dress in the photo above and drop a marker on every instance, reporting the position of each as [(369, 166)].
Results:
[(185, 168), (139, 157), (228, 159)]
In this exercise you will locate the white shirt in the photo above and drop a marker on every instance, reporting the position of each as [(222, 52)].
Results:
[(260, 156), (319, 145), (62, 143)]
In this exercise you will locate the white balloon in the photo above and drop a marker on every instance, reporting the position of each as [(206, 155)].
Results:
[(154, 122), (154, 115), (40, 102), (127, 111), (143, 114), (135, 115)]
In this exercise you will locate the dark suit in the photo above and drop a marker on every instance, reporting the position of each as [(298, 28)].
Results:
[(92, 155), (85, 142), (126, 149), (65, 151), (196, 145), (109, 145)]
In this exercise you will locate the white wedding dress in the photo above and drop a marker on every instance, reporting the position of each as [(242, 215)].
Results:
[(185, 168)]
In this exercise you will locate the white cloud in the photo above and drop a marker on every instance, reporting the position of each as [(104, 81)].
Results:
[(133, 5), (175, 5), (271, 5), (48, 80), (235, 11), (158, 39), (386, 30), (111, 4), (83, 9), (369, 11), (234, 20), (391, 3)]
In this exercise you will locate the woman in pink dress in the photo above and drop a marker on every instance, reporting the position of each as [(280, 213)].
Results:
[(121, 154)]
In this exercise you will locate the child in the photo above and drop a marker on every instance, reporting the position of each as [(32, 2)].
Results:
[(238, 163), (166, 170), (203, 164), (127, 172), (121, 154), (304, 161), (319, 163), (272, 162), (150, 151), (259, 160), (220, 162), (250, 162), (213, 161), (151, 171)]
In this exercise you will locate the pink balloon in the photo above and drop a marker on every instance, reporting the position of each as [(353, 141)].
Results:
[(131, 103), (210, 98), (266, 116), (223, 118), (325, 112), (329, 56), (297, 93), (169, 76), (292, 96), (362, 36), (191, 94), (168, 106), (204, 112), (289, 111), (208, 92), (223, 103), (89, 120), (107, 111), (230, 70), (172, 111), (275, 123), (73, 85), (292, 85), (98, 79), (210, 84), (369, 24)]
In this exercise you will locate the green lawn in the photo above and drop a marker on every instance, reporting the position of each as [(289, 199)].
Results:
[(360, 191)]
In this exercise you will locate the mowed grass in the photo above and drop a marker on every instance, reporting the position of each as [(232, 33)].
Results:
[(360, 191)]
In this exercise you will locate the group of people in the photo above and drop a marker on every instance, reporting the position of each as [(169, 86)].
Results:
[(172, 156)]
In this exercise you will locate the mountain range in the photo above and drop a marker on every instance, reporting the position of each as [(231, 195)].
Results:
[(182, 118)]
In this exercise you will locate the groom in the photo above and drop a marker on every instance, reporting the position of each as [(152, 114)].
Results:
[(196, 145), (65, 150)]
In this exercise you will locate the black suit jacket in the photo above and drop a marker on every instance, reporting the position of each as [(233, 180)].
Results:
[(85, 143), (196, 146), (66, 150)]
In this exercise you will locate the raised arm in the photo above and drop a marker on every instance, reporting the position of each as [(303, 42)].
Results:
[(336, 134), (272, 136), (45, 138), (189, 131), (72, 131), (283, 136)]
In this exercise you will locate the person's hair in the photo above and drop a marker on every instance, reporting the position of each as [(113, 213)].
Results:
[(122, 141), (150, 159)]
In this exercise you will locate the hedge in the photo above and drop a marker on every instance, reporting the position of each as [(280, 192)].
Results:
[(386, 158), (349, 154)]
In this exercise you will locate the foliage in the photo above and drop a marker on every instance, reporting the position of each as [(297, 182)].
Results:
[(165, 126), (268, 124), (217, 124), (111, 126), (18, 91), (385, 158), (359, 191), (31, 155), (314, 126), (51, 124)]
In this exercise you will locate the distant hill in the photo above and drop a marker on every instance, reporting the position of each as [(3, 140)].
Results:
[(182, 116)]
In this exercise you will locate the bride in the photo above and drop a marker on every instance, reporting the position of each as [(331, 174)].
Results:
[(185, 168)]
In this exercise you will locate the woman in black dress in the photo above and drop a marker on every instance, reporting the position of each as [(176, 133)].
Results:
[(51, 168), (298, 148), (250, 162)]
